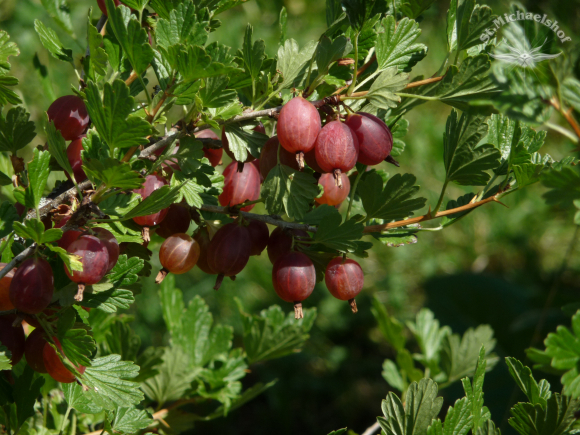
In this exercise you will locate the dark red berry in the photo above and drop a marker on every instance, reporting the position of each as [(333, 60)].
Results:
[(333, 195), (176, 221), (73, 153), (151, 184), (94, 257), (110, 242), (32, 287), (20, 209), (269, 157), (336, 149), (34, 348), (310, 159), (280, 242), (344, 279), (12, 337), (240, 187), (256, 163), (55, 367), (229, 251), (298, 126), (5, 302), (178, 254), (214, 155), (259, 235), (294, 278), (70, 116), (375, 140), (202, 238)]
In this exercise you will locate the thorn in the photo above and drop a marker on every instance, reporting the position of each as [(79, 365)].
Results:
[(473, 200), (499, 202), (392, 161), (429, 215)]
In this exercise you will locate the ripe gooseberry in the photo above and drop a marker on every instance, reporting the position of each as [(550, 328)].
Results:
[(229, 251), (151, 184), (214, 155), (34, 348), (5, 302), (176, 221), (68, 236), (294, 278), (336, 149), (374, 138), (240, 187), (298, 126), (344, 279), (55, 367), (202, 239), (12, 337), (269, 157), (178, 254), (259, 235), (32, 286), (281, 241), (73, 152), (226, 146), (70, 116), (333, 195), (110, 242), (94, 258)]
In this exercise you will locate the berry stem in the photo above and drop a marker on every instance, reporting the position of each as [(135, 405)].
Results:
[(218, 281), (338, 178), (298, 314), (161, 276), (353, 306), (80, 291), (300, 160)]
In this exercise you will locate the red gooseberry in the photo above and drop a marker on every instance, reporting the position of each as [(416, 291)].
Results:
[(5, 302), (294, 278), (332, 194), (336, 149), (94, 257), (229, 251), (32, 286), (240, 187), (70, 116), (375, 139), (55, 367), (178, 254), (344, 279), (12, 337)]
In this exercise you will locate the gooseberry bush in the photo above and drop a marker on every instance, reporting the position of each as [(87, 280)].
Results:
[(138, 146)]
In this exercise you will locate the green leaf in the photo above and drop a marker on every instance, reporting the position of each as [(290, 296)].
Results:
[(564, 186), (183, 27), (471, 22), (392, 329), (172, 304), (465, 160), (57, 147), (537, 393), (73, 394), (113, 174), (273, 334), (215, 93), (557, 418), (78, 346), (8, 96), (243, 140), (109, 300), (16, 130), (459, 356), (51, 42), (26, 389), (338, 431), (130, 420), (108, 380), (342, 237), (122, 340), (358, 12), (138, 5), (60, 13), (98, 56), (7, 49), (293, 62), (382, 91), (461, 201), (290, 191), (474, 393), (488, 428), (5, 356), (8, 215), (253, 54), (112, 116), (34, 229), (458, 420), (429, 336), (397, 237), (72, 262), (195, 62), (414, 8), (158, 200), (394, 201), (38, 172), (571, 92), (329, 51), (422, 406), (126, 270), (392, 375), (131, 36), (395, 44)]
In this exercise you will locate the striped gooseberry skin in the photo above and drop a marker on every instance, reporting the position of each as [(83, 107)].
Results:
[(375, 139), (336, 147), (94, 258), (73, 153), (229, 251), (294, 278), (12, 337), (333, 195), (214, 155), (110, 242), (151, 184), (179, 253), (34, 348), (259, 236), (298, 125), (176, 221), (269, 157), (240, 187), (310, 159), (69, 115), (32, 286), (202, 239), (344, 278)]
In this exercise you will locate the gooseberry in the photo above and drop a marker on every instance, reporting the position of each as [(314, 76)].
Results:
[(70, 116), (5, 302), (294, 278), (344, 279), (332, 194), (178, 254), (229, 251), (94, 257), (240, 187), (12, 337), (55, 367), (374, 138), (34, 348), (32, 286), (336, 149)]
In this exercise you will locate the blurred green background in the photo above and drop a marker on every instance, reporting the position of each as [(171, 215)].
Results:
[(495, 266)]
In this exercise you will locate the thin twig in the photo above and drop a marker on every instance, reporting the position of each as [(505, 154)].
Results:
[(567, 114), (159, 415), (372, 430)]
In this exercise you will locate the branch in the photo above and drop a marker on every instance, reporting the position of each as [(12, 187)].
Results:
[(567, 114), (428, 216), (372, 429), (18, 259)]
